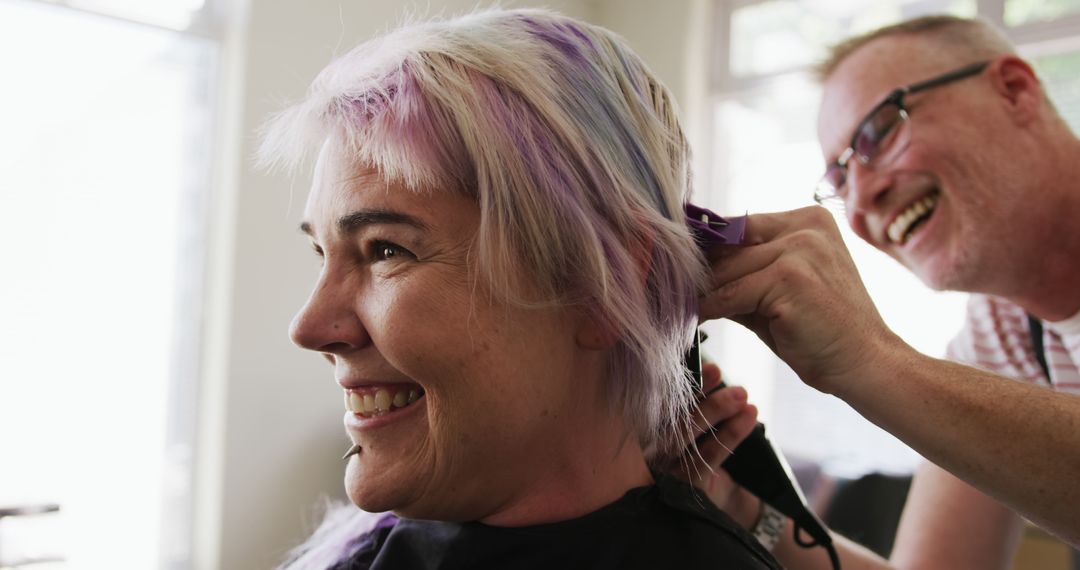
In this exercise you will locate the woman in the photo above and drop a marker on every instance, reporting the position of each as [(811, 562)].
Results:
[(508, 288)]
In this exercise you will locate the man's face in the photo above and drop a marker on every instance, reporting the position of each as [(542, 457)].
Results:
[(941, 207)]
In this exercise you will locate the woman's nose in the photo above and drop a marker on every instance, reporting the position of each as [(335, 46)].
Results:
[(328, 322)]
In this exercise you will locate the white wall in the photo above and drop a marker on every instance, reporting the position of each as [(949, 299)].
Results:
[(659, 32), (673, 37), (271, 424)]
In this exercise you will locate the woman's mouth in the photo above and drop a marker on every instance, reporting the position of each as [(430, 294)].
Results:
[(370, 402)]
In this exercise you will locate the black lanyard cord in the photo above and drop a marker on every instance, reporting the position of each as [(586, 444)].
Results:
[(1035, 328)]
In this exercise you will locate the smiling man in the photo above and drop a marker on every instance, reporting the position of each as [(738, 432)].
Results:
[(944, 152)]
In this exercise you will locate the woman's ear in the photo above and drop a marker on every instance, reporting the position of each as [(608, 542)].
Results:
[(594, 333), (597, 333)]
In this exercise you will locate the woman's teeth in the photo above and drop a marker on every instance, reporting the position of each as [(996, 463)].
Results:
[(904, 225), (381, 401)]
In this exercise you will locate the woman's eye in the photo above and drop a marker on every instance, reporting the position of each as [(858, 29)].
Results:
[(386, 251)]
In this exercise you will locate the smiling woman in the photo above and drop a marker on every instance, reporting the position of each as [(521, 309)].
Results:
[(507, 291)]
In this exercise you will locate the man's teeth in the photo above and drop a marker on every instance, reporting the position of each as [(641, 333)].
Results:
[(898, 230), (380, 401)]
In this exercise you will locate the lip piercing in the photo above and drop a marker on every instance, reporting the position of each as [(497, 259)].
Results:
[(352, 451)]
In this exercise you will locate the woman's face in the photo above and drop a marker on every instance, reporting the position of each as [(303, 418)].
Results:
[(476, 400)]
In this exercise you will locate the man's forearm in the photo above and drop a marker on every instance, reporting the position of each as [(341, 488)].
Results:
[(1016, 442)]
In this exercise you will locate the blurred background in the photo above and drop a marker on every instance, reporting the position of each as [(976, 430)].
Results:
[(153, 413)]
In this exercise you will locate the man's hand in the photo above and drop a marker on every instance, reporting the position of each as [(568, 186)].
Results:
[(794, 284), (727, 409)]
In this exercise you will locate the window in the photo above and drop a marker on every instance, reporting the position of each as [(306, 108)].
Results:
[(765, 157), (1020, 12), (104, 158)]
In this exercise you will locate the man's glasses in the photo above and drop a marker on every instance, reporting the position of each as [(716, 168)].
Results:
[(881, 135)]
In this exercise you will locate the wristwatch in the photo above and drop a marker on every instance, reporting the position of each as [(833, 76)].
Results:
[(769, 527)]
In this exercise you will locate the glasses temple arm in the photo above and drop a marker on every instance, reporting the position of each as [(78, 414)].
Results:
[(961, 73)]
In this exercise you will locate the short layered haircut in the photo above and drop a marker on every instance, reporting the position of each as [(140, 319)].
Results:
[(573, 152)]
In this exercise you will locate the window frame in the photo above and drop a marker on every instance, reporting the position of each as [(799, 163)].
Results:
[(1041, 38)]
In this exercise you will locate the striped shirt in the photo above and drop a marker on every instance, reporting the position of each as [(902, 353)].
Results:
[(995, 338)]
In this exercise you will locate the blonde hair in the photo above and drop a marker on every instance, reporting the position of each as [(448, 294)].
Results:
[(575, 157)]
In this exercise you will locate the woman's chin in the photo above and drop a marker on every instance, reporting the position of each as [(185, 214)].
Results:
[(378, 503), (392, 492), (374, 494)]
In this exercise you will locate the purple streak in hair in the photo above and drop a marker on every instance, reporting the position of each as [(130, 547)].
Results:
[(555, 35), (371, 104), (593, 106)]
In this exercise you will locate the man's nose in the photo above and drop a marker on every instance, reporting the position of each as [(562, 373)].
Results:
[(867, 186), (867, 189)]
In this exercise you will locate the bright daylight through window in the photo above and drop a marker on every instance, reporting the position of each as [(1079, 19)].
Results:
[(104, 159)]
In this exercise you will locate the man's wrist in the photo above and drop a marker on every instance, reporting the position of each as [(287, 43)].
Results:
[(862, 380)]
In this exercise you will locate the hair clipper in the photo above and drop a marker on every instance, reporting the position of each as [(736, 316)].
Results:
[(755, 464), (759, 467)]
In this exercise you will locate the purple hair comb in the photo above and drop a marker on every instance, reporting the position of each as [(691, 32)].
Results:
[(712, 229)]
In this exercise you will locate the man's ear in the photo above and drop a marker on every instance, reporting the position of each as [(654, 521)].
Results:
[(1019, 86)]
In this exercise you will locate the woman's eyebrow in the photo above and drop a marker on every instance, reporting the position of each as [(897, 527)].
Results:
[(354, 221)]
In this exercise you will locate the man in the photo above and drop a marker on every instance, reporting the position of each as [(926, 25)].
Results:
[(947, 155)]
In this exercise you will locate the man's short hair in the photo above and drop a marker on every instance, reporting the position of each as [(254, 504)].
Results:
[(963, 39)]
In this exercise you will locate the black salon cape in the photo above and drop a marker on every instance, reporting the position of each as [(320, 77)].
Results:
[(666, 525)]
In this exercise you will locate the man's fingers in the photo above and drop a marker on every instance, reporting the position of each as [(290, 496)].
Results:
[(785, 247), (710, 376), (718, 407), (732, 262), (764, 228), (719, 443), (754, 280), (742, 278), (744, 295)]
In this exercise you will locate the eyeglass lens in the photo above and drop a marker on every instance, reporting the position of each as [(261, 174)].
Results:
[(877, 132), (881, 132)]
